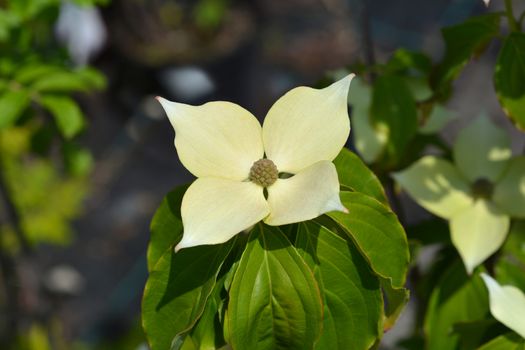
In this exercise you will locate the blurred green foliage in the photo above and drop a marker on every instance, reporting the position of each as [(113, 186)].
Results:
[(44, 171), (45, 199)]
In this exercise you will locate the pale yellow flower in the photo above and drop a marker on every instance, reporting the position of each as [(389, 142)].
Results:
[(477, 194), (507, 304), (281, 173)]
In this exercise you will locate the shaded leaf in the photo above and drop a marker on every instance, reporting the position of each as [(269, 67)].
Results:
[(368, 140), (394, 110), (463, 41), (509, 78), (510, 341), (404, 59), (456, 298), (207, 333), (166, 226), (177, 290), (395, 302), (510, 268), (474, 333)]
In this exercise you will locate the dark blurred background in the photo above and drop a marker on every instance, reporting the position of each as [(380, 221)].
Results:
[(247, 52)]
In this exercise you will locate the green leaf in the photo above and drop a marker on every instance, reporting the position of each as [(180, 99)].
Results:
[(474, 333), (378, 235), (463, 41), (12, 105), (166, 226), (509, 78), (67, 114), (368, 140), (78, 160), (177, 291), (509, 341), (437, 119), (510, 268), (356, 176), (404, 59), (419, 88), (394, 110), (92, 77), (64, 81), (207, 333), (456, 298), (396, 300), (274, 299), (30, 72), (352, 295)]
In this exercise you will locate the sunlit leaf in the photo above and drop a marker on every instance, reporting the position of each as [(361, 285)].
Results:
[(67, 114), (378, 235), (12, 104), (356, 176), (274, 302), (65, 81), (30, 72), (352, 295), (78, 160)]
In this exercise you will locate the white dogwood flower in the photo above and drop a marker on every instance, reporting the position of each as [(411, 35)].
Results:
[(478, 194), (281, 173), (507, 304)]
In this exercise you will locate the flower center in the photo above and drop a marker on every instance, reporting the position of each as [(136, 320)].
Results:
[(482, 188), (263, 172)]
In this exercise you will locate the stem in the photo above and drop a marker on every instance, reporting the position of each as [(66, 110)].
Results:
[(368, 44), (520, 20), (514, 25)]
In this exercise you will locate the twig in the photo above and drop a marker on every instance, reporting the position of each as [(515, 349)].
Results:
[(368, 44), (514, 26)]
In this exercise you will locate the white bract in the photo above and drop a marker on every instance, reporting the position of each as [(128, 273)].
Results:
[(507, 304), (236, 161), (478, 194)]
